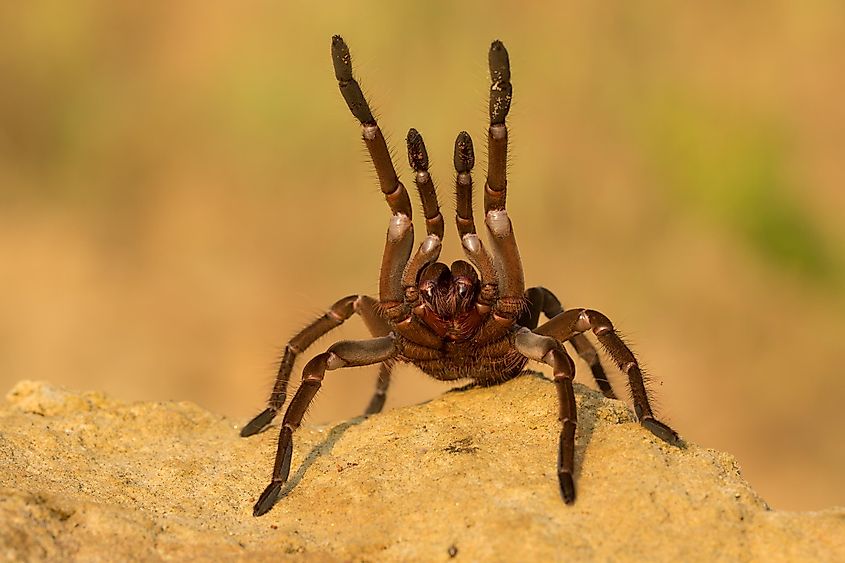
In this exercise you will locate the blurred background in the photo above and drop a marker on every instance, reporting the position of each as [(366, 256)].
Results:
[(182, 188)]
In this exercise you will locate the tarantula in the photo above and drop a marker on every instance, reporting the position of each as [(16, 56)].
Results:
[(471, 320)]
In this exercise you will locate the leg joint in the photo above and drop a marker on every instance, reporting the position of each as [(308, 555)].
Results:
[(499, 131), (315, 368), (536, 347), (598, 322), (498, 222), (562, 364), (399, 225), (343, 309), (369, 131), (334, 361), (360, 353)]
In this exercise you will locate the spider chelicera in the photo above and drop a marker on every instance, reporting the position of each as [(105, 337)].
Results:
[(471, 320)]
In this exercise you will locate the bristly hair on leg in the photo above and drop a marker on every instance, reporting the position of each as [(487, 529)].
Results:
[(648, 380)]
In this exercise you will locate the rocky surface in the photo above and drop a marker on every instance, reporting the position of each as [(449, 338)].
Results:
[(468, 476)]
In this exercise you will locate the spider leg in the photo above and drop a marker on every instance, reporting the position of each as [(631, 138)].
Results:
[(342, 354), (382, 383), (429, 250), (549, 351), (542, 300), (378, 327), (336, 315), (418, 159), (502, 239), (576, 321), (474, 249), (400, 233)]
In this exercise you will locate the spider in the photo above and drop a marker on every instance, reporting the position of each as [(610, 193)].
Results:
[(470, 320)]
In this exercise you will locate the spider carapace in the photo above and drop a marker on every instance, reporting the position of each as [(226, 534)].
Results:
[(471, 320)]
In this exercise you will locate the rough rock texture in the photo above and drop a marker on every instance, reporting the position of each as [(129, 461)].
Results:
[(470, 475)]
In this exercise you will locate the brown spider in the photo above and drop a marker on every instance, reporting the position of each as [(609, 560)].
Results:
[(453, 322)]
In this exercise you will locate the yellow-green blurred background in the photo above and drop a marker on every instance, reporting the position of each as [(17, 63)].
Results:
[(182, 188)]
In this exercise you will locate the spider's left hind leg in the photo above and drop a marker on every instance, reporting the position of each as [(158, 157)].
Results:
[(366, 308), (340, 355), (541, 300)]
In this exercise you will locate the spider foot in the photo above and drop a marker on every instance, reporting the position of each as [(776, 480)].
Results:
[(609, 394), (259, 423), (280, 475), (267, 499), (567, 486), (662, 431)]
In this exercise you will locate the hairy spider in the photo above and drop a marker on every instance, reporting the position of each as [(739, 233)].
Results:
[(471, 320)]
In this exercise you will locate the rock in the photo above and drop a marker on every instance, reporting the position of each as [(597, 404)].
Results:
[(470, 476)]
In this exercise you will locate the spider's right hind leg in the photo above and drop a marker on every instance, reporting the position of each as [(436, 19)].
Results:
[(333, 318), (541, 300), (576, 321)]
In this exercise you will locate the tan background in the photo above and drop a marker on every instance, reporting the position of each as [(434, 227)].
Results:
[(182, 188)]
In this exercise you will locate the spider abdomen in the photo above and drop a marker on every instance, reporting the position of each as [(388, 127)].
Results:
[(490, 363)]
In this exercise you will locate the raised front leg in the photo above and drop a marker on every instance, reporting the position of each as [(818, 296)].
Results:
[(400, 234), (502, 239), (342, 354), (549, 351), (541, 300), (333, 318), (576, 321)]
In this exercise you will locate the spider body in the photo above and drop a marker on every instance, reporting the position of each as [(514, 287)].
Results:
[(471, 320), (493, 363)]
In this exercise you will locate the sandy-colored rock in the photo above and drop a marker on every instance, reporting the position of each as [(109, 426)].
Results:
[(87, 477)]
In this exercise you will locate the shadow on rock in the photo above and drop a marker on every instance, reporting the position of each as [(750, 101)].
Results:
[(321, 449)]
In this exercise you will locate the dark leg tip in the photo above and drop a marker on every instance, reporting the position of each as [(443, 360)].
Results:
[(339, 48), (259, 423), (567, 487), (500, 69), (267, 499), (662, 431), (417, 155), (464, 153), (341, 59)]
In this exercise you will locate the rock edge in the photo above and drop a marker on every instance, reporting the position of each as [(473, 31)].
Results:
[(469, 475)]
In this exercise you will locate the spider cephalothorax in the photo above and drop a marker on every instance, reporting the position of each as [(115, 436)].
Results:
[(474, 320), (449, 300)]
